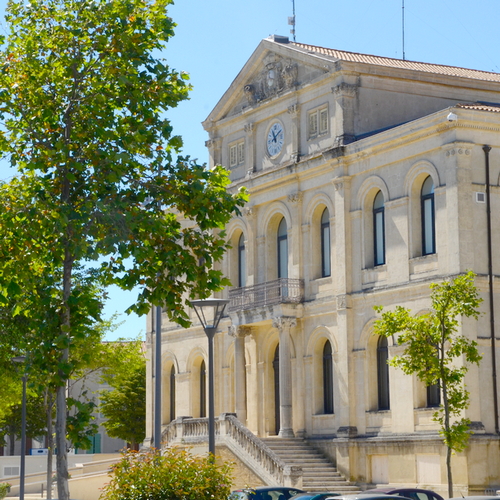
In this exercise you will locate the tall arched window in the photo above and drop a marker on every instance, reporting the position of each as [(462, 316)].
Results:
[(325, 244), (379, 230), (327, 378), (383, 374), (427, 211), (282, 250), (203, 390), (172, 393), (241, 262)]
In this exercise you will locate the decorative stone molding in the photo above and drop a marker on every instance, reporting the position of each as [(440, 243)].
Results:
[(239, 331), (295, 197), (293, 109), (149, 337), (213, 143), (338, 185), (458, 151), (249, 128), (343, 302), (249, 212), (284, 322), (345, 90), (277, 75)]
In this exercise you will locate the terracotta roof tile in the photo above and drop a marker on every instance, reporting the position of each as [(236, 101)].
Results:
[(398, 63), (480, 107)]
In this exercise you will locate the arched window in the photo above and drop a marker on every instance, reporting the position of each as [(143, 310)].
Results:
[(383, 374), (379, 230), (427, 211), (282, 250), (327, 378), (203, 391), (325, 244), (241, 262), (172, 393)]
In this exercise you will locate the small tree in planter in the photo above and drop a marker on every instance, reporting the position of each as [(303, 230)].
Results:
[(175, 474)]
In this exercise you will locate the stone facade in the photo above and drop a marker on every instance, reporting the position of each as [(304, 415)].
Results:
[(314, 252)]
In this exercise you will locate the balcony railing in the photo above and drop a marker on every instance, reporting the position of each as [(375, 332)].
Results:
[(280, 291)]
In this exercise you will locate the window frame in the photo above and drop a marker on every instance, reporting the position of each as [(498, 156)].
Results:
[(379, 211), (241, 261), (326, 260), (238, 158), (280, 239), (423, 199), (383, 385), (328, 400), (316, 116)]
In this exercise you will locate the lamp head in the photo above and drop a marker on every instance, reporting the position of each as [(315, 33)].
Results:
[(218, 306)]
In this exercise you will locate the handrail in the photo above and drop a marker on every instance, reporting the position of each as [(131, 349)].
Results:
[(228, 428), (280, 291)]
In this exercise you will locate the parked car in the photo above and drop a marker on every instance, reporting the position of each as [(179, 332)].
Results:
[(413, 493), (366, 496), (265, 493), (316, 496)]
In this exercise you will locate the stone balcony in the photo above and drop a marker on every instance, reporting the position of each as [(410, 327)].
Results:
[(264, 301)]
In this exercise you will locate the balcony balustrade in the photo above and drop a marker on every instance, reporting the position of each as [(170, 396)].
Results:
[(280, 291)]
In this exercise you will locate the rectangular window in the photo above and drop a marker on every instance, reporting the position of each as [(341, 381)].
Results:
[(241, 153), (236, 154), (318, 122), (323, 121), (233, 160), (313, 124)]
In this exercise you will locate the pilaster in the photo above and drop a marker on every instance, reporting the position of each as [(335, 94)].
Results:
[(250, 131), (294, 252), (214, 146), (294, 112), (240, 396), (345, 96)]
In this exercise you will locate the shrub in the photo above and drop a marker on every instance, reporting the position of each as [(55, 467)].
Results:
[(4, 489), (175, 475)]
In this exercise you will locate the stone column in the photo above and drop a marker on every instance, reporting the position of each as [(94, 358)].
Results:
[(250, 160), (294, 111), (283, 324), (240, 386)]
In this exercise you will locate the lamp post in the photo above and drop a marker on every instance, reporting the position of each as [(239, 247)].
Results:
[(210, 326), (21, 360)]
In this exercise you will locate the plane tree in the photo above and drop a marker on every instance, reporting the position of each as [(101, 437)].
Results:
[(84, 95), (438, 352)]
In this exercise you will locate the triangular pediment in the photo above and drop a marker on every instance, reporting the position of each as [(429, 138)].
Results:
[(272, 70)]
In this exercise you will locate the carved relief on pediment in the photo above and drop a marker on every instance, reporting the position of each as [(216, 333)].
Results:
[(278, 74)]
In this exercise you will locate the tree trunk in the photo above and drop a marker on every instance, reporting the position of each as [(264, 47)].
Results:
[(61, 445), (12, 443), (448, 467), (50, 442)]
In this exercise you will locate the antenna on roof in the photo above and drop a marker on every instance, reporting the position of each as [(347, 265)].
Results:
[(291, 21), (403, 29)]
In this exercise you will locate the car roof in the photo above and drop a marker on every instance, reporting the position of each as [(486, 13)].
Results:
[(369, 496)]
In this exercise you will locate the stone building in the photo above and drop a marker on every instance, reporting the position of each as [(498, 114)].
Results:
[(367, 182)]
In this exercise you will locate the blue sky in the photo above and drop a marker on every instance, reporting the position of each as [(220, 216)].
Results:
[(214, 39)]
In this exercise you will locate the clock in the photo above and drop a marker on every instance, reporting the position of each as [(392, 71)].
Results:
[(275, 139)]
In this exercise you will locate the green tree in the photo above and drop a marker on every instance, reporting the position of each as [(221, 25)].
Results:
[(173, 475), (125, 406), (83, 100), (434, 350)]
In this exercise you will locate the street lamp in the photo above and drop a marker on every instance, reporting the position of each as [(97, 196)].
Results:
[(210, 326), (18, 360)]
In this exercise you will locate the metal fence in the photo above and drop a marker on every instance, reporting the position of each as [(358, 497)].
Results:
[(280, 291)]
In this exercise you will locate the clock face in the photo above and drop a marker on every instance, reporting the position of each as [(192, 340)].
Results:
[(275, 139)]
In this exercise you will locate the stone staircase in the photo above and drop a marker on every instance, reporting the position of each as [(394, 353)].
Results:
[(319, 474)]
